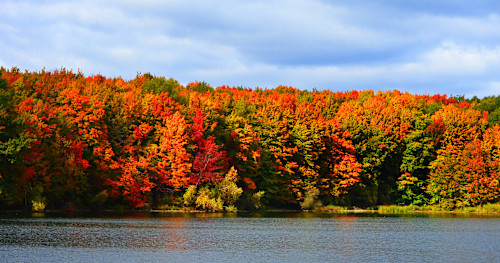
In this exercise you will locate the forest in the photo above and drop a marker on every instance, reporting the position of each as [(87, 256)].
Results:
[(69, 141)]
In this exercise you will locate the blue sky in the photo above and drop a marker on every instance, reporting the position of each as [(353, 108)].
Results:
[(423, 47)]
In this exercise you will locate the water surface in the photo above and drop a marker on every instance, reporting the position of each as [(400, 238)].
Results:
[(268, 237)]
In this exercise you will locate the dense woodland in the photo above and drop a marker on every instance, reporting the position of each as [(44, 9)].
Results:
[(70, 141)]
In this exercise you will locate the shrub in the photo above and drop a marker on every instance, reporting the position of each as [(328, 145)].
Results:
[(229, 191), (255, 199), (311, 199), (38, 205), (190, 195)]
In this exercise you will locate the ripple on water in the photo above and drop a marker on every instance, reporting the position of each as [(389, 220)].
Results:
[(250, 239)]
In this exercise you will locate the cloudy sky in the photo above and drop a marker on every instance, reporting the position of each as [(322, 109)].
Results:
[(424, 47)]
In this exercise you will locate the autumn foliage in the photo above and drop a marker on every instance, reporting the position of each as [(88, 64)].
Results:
[(67, 140)]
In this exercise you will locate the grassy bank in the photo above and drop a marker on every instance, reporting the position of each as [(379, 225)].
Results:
[(345, 209), (396, 209)]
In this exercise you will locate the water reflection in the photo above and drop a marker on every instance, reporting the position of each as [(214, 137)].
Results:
[(344, 246), (174, 232)]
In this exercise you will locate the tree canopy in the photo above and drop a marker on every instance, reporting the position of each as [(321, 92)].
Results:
[(67, 140)]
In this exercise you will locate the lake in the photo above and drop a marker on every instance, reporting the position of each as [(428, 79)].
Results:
[(249, 237)]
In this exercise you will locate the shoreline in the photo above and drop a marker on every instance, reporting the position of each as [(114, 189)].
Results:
[(191, 211)]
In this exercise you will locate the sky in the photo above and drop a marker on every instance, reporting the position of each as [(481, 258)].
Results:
[(420, 47)]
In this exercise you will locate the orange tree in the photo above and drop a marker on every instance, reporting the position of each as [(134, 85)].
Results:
[(378, 125), (460, 156)]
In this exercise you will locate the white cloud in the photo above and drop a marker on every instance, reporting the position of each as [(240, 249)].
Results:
[(332, 44), (482, 27), (453, 59), (490, 88), (449, 68)]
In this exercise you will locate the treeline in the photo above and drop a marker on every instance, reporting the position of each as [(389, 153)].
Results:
[(67, 140)]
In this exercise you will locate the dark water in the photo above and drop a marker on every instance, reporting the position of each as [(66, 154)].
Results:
[(272, 237)]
